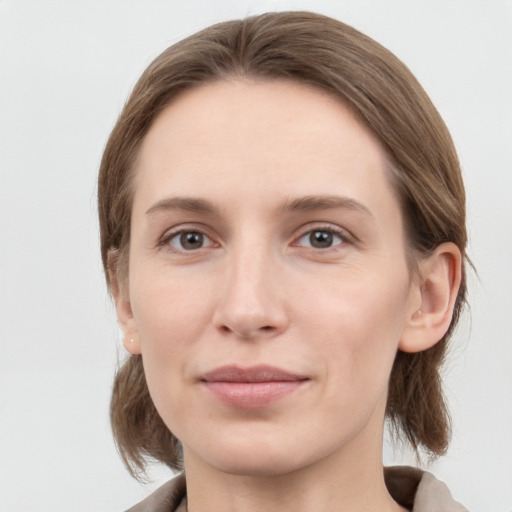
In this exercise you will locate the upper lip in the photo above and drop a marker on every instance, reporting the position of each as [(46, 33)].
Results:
[(259, 373)]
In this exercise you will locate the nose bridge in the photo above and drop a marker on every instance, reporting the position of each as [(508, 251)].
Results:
[(250, 303), (250, 266)]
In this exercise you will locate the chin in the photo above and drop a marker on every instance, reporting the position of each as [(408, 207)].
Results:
[(260, 456), (257, 465)]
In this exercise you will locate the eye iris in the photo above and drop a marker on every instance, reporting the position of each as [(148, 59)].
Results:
[(191, 240), (321, 239)]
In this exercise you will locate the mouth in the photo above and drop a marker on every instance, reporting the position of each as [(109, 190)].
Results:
[(251, 388)]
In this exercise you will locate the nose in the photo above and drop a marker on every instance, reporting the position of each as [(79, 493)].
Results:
[(251, 301)]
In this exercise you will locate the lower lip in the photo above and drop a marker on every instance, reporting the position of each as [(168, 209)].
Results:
[(252, 395)]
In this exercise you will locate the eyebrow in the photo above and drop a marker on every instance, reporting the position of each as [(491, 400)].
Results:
[(301, 204), (324, 202), (189, 204)]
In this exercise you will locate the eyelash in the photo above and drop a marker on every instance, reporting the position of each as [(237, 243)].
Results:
[(342, 234), (344, 237), (168, 237)]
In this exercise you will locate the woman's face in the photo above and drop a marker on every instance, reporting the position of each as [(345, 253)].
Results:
[(268, 283)]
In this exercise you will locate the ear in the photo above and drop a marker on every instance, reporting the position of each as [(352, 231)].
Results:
[(119, 289), (434, 293)]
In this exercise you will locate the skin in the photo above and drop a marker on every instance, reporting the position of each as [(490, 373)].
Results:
[(257, 290)]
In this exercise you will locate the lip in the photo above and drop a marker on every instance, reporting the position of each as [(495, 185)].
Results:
[(253, 387)]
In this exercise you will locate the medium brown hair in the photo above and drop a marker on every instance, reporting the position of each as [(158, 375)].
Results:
[(327, 54)]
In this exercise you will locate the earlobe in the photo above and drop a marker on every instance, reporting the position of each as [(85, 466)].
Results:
[(438, 285), (120, 293)]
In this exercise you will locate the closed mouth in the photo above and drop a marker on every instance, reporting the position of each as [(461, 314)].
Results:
[(254, 374), (251, 388)]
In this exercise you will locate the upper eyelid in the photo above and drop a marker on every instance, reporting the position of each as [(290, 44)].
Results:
[(170, 233), (326, 226), (186, 227)]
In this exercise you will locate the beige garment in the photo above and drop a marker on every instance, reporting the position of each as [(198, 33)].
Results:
[(419, 491), (412, 488)]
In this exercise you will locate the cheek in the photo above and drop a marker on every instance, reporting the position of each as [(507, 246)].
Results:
[(361, 322), (168, 308), (171, 315)]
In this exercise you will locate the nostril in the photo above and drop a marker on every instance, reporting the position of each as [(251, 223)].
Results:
[(247, 333)]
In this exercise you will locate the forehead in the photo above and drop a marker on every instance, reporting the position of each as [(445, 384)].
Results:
[(228, 139)]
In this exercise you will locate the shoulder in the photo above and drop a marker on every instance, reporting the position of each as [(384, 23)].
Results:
[(419, 490), (166, 498)]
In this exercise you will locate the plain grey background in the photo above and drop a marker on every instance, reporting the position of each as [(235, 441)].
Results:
[(66, 69)]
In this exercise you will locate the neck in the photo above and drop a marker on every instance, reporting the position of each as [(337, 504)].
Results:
[(350, 480)]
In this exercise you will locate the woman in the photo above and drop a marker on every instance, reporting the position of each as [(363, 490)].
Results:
[(282, 220)]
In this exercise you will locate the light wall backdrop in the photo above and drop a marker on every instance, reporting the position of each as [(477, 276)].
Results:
[(66, 69)]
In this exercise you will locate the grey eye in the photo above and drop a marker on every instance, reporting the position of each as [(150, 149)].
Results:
[(320, 239), (189, 241)]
